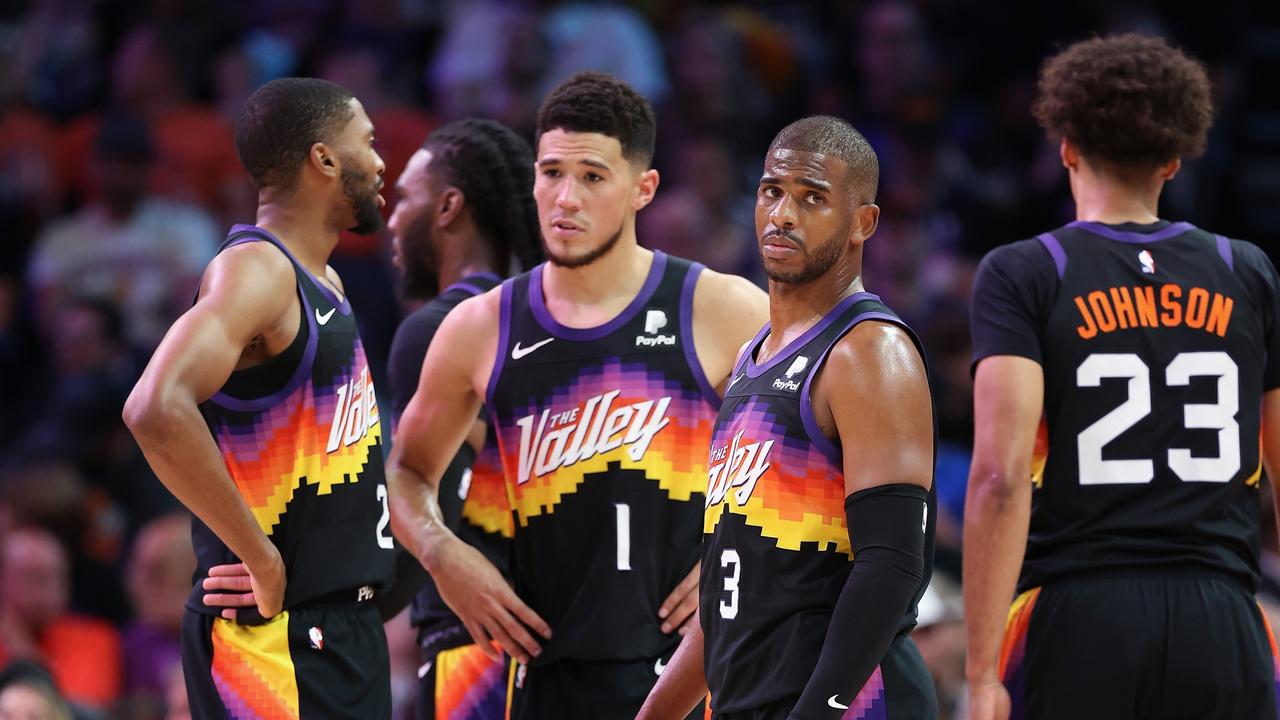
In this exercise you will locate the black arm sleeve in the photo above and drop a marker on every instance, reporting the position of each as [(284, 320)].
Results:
[(886, 531)]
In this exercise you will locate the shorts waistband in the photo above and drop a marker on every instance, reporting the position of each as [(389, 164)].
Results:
[(347, 596)]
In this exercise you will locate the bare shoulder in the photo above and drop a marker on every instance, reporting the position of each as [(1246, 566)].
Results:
[(728, 311), (875, 360), (253, 275), (723, 294), (467, 342), (728, 308)]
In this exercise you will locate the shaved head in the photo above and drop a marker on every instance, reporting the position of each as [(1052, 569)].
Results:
[(832, 136)]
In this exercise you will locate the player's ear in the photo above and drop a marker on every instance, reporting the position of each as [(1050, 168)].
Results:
[(1069, 154), (450, 206), (866, 218), (646, 187), (1170, 169), (323, 159)]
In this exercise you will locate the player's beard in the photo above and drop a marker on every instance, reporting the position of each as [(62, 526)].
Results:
[(362, 192), (420, 263), (592, 255), (816, 264)]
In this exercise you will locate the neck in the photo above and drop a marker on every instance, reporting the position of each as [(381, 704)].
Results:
[(1101, 197), (463, 258), (794, 308), (304, 231), (620, 273)]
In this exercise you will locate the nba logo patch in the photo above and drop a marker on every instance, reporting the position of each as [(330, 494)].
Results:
[(521, 669), (1148, 262), (316, 636)]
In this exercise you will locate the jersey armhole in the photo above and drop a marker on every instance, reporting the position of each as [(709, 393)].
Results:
[(687, 336), (300, 374), (810, 422), (504, 336)]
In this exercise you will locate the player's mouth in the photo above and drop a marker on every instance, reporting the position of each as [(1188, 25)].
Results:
[(776, 246), (564, 229)]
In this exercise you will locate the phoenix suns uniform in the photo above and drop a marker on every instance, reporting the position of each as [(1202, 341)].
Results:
[(603, 434), (1136, 593), (301, 436), (777, 552), (456, 680)]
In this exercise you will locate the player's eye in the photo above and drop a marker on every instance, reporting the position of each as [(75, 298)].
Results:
[(815, 198), (770, 191), (593, 177)]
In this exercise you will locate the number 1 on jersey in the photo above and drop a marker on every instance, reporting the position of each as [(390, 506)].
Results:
[(624, 536)]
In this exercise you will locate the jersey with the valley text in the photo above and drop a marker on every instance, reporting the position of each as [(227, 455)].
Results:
[(302, 440), (603, 434), (777, 553), (1157, 342)]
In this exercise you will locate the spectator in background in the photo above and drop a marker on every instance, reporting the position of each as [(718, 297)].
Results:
[(27, 692), (129, 247), (83, 654), (158, 580)]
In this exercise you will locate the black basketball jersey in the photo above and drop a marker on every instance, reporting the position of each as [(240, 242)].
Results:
[(301, 437), (777, 553), (1157, 343), (603, 434), (473, 498)]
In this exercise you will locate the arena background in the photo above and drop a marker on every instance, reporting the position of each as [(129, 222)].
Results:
[(124, 109)]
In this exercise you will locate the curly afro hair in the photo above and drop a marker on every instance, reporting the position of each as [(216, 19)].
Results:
[(1129, 101), (594, 102)]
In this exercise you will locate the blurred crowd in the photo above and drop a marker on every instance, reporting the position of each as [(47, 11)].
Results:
[(118, 178)]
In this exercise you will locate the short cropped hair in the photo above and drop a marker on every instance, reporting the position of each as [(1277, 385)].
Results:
[(594, 102), (832, 136), (280, 123), (1126, 100)]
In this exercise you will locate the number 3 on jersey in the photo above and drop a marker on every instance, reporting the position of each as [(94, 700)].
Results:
[(1218, 416), (729, 608)]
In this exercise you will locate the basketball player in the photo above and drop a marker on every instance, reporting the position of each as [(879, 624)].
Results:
[(465, 216), (819, 502), (599, 371), (1146, 353), (257, 411)]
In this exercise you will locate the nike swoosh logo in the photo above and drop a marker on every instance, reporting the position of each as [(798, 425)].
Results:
[(424, 669), (518, 352), (323, 319), (659, 666), (831, 702)]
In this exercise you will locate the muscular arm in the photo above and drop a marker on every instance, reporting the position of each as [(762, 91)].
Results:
[(248, 293), (727, 312), (1008, 400), (437, 419), (875, 391)]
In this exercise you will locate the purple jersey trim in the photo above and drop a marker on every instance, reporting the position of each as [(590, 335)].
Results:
[(343, 305), (538, 304), (807, 418), (1126, 236), (300, 374), (466, 287), (755, 371), (686, 335), (1055, 250), (1224, 249), (504, 336)]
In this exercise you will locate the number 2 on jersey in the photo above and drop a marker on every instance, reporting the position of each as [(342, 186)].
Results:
[(384, 541), (1218, 416)]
